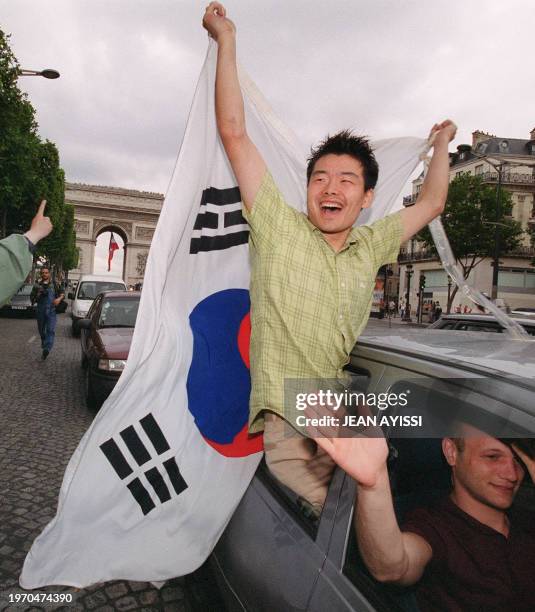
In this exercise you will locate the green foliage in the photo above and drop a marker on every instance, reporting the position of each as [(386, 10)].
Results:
[(30, 170), (470, 221)]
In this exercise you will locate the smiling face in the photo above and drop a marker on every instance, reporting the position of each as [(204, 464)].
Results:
[(485, 470), (336, 195)]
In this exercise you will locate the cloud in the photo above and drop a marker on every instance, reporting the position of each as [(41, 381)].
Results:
[(129, 68)]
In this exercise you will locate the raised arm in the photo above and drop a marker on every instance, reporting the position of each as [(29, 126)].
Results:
[(390, 554), (247, 163), (432, 197)]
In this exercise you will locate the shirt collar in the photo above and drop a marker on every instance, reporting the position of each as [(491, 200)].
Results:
[(351, 240)]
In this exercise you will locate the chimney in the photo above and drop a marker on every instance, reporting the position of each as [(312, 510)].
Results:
[(479, 136)]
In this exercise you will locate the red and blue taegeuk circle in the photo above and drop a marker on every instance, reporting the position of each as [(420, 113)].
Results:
[(219, 383)]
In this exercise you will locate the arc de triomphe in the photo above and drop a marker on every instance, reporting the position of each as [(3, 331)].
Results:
[(130, 214)]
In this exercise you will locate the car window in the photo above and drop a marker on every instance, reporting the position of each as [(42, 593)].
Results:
[(25, 290), (418, 471), (94, 307), (447, 325), (90, 289), (475, 326), (117, 312)]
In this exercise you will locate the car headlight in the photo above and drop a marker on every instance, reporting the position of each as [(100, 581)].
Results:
[(112, 365), (82, 313)]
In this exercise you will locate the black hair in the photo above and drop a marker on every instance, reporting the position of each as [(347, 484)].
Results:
[(346, 143)]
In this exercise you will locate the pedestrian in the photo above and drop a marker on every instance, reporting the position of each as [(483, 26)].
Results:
[(16, 254), (48, 296), (438, 311), (431, 313)]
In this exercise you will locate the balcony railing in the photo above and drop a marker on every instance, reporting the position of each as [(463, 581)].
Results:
[(524, 178), (422, 254)]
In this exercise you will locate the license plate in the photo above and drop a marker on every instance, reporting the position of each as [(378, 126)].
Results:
[(18, 307)]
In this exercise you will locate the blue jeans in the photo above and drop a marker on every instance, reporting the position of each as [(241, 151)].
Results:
[(46, 324)]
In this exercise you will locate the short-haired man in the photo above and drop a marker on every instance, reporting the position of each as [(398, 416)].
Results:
[(464, 552), (312, 275), (48, 295)]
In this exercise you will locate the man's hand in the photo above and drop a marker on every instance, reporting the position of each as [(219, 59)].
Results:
[(443, 132), (361, 455), (41, 226), (57, 300), (215, 21)]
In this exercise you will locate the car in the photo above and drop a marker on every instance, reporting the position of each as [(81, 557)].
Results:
[(272, 557), (480, 322), (105, 340), (87, 289), (20, 304), (524, 311)]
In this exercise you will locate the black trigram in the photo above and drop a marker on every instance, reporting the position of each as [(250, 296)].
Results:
[(219, 224), (141, 455)]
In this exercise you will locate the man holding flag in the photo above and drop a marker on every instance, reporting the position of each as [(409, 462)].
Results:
[(312, 275), (111, 250)]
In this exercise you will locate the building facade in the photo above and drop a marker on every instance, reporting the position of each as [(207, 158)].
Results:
[(131, 214), (516, 276)]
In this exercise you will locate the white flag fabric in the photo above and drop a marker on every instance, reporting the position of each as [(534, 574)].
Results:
[(157, 476)]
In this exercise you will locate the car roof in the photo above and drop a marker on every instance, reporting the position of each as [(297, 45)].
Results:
[(96, 277), (522, 319), (121, 294), (482, 352)]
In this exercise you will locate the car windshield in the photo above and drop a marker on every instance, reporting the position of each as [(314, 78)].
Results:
[(90, 289), (25, 290), (118, 312)]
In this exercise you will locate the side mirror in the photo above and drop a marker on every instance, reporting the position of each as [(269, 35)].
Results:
[(84, 323), (70, 295)]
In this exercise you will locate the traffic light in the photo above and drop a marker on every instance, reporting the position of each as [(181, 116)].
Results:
[(422, 282)]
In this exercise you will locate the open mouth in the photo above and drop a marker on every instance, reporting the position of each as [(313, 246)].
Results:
[(330, 209)]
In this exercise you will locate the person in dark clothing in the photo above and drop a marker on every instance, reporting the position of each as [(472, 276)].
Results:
[(469, 551), (48, 295)]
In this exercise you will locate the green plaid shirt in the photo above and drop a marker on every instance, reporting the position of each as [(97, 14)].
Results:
[(309, 304)]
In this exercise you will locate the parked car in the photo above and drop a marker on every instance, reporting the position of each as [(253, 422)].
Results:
[(524, 311), (105, 340), (87, 289), (271, 557), (20, 304), (480, 322)]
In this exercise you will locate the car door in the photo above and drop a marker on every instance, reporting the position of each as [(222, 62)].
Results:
[(270, 555), (501, 406)]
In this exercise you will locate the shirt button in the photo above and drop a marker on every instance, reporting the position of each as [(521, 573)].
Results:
[(343, 285), (340, 317)]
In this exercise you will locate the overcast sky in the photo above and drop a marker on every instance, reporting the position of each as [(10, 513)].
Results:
[(386, 68)]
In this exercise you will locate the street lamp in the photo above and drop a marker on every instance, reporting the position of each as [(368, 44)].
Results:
[(48, 73), (407, 315)]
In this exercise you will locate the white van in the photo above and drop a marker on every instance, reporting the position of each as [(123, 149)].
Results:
[(89, 286)]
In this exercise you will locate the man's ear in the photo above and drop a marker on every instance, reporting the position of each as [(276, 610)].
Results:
[(368, 198), (450, 451)]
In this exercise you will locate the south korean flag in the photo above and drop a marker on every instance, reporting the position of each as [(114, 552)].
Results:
[(159, 473)]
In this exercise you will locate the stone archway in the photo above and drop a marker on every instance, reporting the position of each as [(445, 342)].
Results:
[(124, 230), (131, 214)]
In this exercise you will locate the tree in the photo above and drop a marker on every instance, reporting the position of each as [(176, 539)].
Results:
[(470, 220), (30, 170)]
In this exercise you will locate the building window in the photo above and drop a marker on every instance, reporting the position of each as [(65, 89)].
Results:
[(516, 278), (479, 169), (521, 198), (435, 278)]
